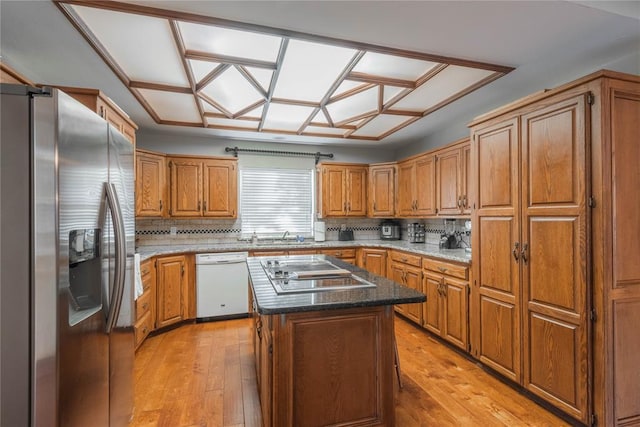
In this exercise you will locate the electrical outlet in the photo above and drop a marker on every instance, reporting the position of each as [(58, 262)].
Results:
[(173, 231)]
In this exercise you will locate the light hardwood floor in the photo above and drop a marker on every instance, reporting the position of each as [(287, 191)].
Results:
[(203, 375)]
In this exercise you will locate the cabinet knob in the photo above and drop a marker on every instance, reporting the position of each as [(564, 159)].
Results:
[(442, 269), (515, 252)]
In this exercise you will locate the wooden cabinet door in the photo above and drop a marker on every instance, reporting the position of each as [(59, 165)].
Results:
[(382, 191), (449, 178), (170, 273), (356, 184), (266, 374), (425, 185), (334, 198), (150, 184), (456, 312), (466, 179), (432, 315), (406, 197), (375, 261), (397, 275), (413, 280), (554, 254), (185, 187), (496, 273), (220, 185)]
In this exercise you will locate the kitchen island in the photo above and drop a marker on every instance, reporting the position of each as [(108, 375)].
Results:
[(325, 357)]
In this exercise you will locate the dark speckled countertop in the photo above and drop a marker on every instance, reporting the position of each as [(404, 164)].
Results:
[(386, 292)]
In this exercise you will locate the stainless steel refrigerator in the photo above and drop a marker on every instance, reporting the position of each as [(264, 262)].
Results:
[(66, 279)]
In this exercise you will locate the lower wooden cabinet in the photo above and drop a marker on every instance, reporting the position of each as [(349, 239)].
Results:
[(346, 255), (146, 303), (175, 290), (446, 311), (373, 260), (332, 367), (405, 269)]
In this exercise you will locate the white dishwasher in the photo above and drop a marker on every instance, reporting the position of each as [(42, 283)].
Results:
[(222, 285)]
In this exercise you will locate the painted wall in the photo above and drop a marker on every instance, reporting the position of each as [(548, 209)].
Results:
[(198, 145)]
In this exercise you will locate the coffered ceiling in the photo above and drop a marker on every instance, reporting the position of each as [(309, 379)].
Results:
[(547, 43), (200, 71)]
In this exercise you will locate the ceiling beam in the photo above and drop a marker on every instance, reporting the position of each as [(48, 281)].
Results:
[(211, 76), (379, 80), (247, 75), (160, 87), (227, 59), (274, 79)]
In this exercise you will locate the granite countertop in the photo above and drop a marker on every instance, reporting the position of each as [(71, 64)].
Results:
[(386, 292), (458, 255)]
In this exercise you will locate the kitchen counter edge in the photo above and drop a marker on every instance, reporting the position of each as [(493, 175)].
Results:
[(456, 255)]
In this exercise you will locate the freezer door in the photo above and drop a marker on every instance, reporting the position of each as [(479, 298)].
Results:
[(121, 347), (83, 345)]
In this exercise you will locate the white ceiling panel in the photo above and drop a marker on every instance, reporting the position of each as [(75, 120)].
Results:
[(141, 45), (307, 62), (262, 76), (381, 124), (355, 105), (286, 117), (443, 85), (232, 91), (256, 112), (201, 68), (397, 67), (390, 92), (172, 106), (229, 42), (208, 108)]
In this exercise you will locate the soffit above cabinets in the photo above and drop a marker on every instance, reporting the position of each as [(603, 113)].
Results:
[(199, 71)]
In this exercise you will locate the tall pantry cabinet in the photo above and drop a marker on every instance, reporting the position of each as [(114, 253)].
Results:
[(556, 225)]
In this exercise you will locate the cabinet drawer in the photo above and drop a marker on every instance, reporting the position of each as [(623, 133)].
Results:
[(340, 253), (145, 268), (455, 270), (143, 304), (406, 258), (142, 328)]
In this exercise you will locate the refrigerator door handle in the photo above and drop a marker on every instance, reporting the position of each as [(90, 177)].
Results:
[(120, 256)]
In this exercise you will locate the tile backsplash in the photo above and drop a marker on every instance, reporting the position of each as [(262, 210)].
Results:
[(154, 232)]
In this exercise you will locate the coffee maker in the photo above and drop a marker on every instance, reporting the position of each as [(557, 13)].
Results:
[(448, 240)]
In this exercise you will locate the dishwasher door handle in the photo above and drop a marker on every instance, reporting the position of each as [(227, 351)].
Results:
[(226, 262)]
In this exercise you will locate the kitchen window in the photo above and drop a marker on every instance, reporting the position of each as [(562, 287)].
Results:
[(273, 201)]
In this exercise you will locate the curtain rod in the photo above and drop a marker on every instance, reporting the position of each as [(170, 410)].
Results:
[(236, 150)]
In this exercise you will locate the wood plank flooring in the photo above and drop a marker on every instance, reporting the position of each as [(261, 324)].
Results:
[(203, 375)]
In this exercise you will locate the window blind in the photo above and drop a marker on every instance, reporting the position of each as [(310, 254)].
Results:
[(273, 201)]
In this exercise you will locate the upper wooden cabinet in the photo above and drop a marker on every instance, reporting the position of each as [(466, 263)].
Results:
[(150, 184), (452, 179), (382, 190), (342, 189), (205, 187), (417, 186), (97, 101)]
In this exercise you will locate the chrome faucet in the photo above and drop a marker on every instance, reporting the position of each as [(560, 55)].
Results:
[(284, 236)]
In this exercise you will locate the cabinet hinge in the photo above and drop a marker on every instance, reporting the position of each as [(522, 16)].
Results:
[(594, 420), (591, 202), (590, 98), (468, 290), (593, 316)]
